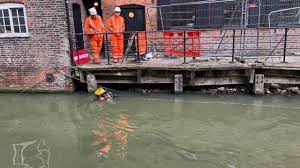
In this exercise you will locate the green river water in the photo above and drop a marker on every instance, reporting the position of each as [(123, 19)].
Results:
[(149, 131)]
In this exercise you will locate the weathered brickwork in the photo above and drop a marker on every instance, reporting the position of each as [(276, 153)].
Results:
[(211, 39), (26, 61)]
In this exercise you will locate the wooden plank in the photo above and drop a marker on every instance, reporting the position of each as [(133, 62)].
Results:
[(116, 81), (81, 77), (157, 80), (282, 80), (220, 81), (139, 76), (115, 73), (171, 67), (192, 78), (250, 73)]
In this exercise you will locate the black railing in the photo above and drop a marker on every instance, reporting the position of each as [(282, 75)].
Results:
[(235, 45)]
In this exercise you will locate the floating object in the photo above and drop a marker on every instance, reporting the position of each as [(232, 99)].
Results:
[(99, 92), (187, 155)]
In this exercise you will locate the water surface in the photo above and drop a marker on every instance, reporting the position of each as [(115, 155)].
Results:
[(155, 131)]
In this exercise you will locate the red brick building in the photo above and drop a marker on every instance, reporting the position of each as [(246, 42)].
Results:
[(37, 36), (35, 39)]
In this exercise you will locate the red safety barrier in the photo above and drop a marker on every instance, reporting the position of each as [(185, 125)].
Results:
[(174, 44), (81, 57)]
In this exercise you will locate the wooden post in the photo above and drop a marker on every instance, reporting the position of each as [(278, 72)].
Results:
[(178, 83), (259, 85), (91, 83), (250, 73), (139, 76), (192, 79), (81, 77)]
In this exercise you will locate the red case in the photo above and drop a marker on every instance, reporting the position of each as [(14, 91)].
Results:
[(81, 57)]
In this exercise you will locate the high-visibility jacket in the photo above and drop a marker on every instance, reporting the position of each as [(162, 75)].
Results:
[(93, 26), (116, 24)]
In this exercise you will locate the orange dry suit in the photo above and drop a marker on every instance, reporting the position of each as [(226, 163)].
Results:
[(94, 26), (116, 24)]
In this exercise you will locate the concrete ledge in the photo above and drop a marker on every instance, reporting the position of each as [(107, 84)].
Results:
[(37, 90)]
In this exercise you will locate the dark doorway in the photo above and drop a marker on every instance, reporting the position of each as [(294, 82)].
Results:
[(78, 25), (135, 20), (134, 16)]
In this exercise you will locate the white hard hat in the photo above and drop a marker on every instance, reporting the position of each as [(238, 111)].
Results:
[(117, 9), (93, 11)]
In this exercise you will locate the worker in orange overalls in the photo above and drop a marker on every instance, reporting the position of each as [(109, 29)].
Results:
[(93, 26), (116, 24)]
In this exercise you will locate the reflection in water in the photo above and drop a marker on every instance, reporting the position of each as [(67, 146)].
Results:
[(177, 131), (31, 154), (113, 132)]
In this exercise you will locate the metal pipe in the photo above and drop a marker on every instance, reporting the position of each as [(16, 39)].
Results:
[(258, 30), (106, 49), (242, 26), (69, 32), (193, 3), (269, 20), (184, 47), (285, 43), (161, 19), (138, 47), (233, 46)]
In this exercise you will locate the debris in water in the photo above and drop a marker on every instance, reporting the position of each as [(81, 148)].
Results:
[(187, 155)]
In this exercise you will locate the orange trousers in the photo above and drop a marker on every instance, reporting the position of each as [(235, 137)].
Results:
[(117, 45), (141, 43), (96, 46)]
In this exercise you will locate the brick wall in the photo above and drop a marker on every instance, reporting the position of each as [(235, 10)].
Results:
[(211, 38), (26, 61), (151, 14)]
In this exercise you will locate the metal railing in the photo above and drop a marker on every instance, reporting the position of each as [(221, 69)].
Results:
[(236, 45)]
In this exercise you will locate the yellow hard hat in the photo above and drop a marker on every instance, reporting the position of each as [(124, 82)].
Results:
[(99, 92)]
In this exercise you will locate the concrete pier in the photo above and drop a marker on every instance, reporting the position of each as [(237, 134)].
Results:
[(259, 85)]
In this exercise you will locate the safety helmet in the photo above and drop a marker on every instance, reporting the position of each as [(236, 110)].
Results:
[(93, 11), (99, 92), (117, 9)]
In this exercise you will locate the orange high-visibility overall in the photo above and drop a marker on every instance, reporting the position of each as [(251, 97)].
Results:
[(141, 43), (116, 24), (92, 27)]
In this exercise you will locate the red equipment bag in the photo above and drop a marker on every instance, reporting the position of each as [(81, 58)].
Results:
[(81, 57)]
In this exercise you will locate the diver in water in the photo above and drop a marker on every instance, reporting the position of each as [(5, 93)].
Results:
[(104, 95)]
